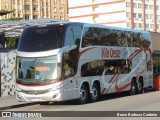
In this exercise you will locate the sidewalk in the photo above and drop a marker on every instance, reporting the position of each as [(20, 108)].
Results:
[(9, 102)]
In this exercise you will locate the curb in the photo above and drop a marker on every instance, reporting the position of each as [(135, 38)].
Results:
[(18, 105)]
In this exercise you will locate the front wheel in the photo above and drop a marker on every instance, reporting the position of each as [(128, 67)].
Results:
[(83, 94), (95, 93)]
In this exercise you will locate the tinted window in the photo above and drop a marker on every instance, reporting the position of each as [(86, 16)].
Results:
[(96, 68), (41, 39), (69, 65), (93, 36), (73, 35)]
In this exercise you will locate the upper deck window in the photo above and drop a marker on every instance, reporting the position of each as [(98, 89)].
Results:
[(41, 38)]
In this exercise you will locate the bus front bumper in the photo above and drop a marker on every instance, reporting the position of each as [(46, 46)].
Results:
[(49, 96)]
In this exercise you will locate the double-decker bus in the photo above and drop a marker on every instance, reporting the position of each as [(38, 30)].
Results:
[(67, 61)]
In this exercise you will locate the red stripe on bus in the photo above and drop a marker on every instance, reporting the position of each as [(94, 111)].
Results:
[(37, 85), (118, 89)]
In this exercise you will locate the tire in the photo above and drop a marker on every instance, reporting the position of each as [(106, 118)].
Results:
[(84, 94), (95, 93), (133, 90), (140, 88)]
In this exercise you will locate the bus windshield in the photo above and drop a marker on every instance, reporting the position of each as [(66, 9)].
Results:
[(37, 39), (37, 70)]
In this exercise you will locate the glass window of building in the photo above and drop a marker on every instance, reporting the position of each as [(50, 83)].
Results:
[(151, 7), (55, 9), (127, 4), (147, 26), (135, 5), (146, 16), (139, 15), (135, 15), (146, 6), (151, 26), (140, 25), (151, 16), (139, 5)]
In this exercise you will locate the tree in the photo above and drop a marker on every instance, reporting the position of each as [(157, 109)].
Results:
[(5, 12)]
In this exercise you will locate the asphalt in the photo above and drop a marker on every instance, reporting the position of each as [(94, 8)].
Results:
[(9, 102)]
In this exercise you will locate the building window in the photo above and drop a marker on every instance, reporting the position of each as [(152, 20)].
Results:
[(146, 6), (158, 7), (158, 17), (135, 25), (128, 15), (61, 10), (61, 1), (151, 16), (128, 25), (140, 25), (26, 17), (151, 26), (127, 4), (135, 5), (146, 16), (6, 5), (55, 9), (140, 6), (55, 1), (135, 15), (27, 7), (62, 18), (35, 8), (35, 16), (147, 26), (151, 7), (139, 15)]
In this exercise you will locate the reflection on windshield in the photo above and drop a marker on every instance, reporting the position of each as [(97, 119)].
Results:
[(37, 70)]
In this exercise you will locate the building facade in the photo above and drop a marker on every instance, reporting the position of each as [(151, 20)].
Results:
[(33, 9), (135, 14)]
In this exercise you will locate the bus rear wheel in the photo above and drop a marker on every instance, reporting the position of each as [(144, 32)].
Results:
[(83, 94), (140, 87), (95, 93), (133, 90)]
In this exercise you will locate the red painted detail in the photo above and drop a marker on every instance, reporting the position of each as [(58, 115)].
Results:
[(83, 51), (118, 89), (38, 85)]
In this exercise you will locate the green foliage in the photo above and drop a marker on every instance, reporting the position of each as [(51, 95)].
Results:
[(156, 68), (14, 19), (5, 12), (11, 42)]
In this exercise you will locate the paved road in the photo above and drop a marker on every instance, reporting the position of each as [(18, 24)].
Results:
[(143, 102)]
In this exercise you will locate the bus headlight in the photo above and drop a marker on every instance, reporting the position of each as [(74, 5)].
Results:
[(18, 89)]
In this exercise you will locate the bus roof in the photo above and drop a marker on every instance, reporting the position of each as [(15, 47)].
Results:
[(88, 25)]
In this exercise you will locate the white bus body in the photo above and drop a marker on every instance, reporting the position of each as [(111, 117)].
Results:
[(67, 61)]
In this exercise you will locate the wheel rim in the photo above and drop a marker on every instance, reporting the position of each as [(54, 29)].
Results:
[(139, 85), (133, 89), (83, 95), (94, 93)]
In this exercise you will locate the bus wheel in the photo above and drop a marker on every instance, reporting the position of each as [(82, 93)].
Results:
[(140, 87), (133, 89), (83, 95), (95, 93)]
